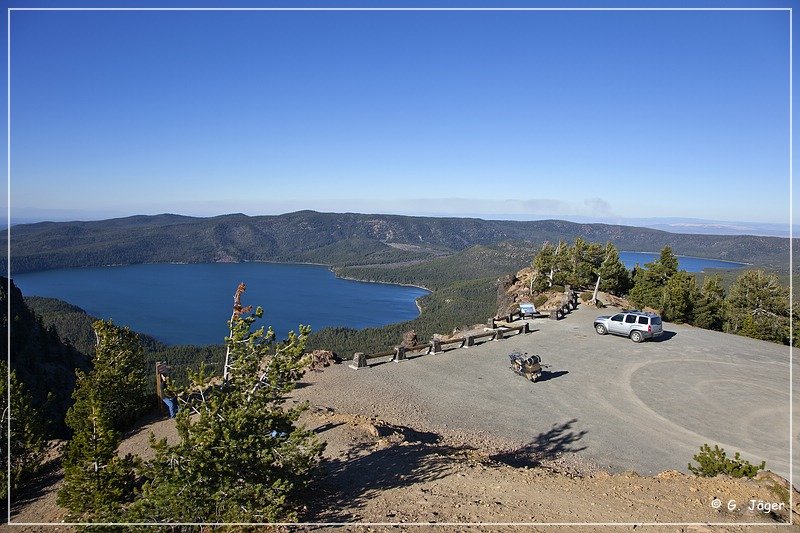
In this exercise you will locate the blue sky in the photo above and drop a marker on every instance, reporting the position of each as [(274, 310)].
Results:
[(593, 115)]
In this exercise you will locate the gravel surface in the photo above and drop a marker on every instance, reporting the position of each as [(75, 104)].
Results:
[(459, 440), (623, 406)]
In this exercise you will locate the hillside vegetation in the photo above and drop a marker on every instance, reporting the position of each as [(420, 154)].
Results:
[(44, 363), (480, 261), (337, 239), (74, 325)]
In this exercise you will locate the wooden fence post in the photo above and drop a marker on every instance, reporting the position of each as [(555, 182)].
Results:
[(159, 390), (436, 346)]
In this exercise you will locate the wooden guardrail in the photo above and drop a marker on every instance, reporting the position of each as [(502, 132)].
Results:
[(436, 345), (568, 303)]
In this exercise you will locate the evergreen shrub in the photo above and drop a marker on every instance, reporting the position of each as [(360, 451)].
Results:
[(715, 462)]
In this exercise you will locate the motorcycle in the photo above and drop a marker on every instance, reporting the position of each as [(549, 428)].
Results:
[(529, 367)]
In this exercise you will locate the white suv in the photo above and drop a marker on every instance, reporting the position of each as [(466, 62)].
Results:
[(635, 324)]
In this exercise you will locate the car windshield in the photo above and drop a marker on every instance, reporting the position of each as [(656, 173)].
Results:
[(656, 321)]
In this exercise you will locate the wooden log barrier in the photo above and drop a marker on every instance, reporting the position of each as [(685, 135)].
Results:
[(484, 335), (387, 353), (435, 345), (459, 340)]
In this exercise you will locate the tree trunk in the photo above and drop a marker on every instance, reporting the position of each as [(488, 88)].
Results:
[(596, 287)]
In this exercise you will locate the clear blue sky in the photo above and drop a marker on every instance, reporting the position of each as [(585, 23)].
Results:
[(606, 115)]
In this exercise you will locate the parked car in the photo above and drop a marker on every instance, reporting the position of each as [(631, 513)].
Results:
[(634, 324)]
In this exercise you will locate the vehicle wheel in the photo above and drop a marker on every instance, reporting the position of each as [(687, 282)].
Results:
[(636, 336), (600, 329)]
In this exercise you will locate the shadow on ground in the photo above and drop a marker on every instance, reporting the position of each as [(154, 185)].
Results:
[(665, 336), (548, 375), (414, 457), (365, 471), (559, 439), (43, 483)]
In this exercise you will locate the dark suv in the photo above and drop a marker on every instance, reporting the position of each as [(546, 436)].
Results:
[(635, 324)]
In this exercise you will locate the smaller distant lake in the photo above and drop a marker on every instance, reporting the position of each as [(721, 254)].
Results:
[(190, 304), (689, 264)]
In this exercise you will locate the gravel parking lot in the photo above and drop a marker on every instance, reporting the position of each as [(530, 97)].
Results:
[(645, 407)]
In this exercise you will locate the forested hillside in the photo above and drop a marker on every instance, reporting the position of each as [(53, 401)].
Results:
[(74, 325), (337, 239), (479, 261), (44, 363)]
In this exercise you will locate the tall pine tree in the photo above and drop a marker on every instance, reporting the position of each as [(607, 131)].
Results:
[(649, 282), (614, 276), (27, 435), (680, 295), (758, 306), (709, 313), (241, 455), (98, 483)]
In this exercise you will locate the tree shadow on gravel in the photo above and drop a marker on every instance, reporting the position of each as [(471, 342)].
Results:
[(365, 471), (559, 439), (44, 482)]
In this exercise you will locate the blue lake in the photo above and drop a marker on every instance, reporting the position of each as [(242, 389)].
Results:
[(190, 304), (689, 264)]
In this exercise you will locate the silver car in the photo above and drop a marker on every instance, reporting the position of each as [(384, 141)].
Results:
[(635, 324)]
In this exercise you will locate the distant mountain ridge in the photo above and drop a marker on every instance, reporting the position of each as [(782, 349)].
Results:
[(338, 239)]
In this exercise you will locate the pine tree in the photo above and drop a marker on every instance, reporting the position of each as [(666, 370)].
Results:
[(543, 263), (648, 289), (614, 276), (119, 375), (709, 313), (561, 259), (241, 454), (649, 282), (680, 294), (98, 484), (758, 306), (27, 442), (577, 263), (666, 264)]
